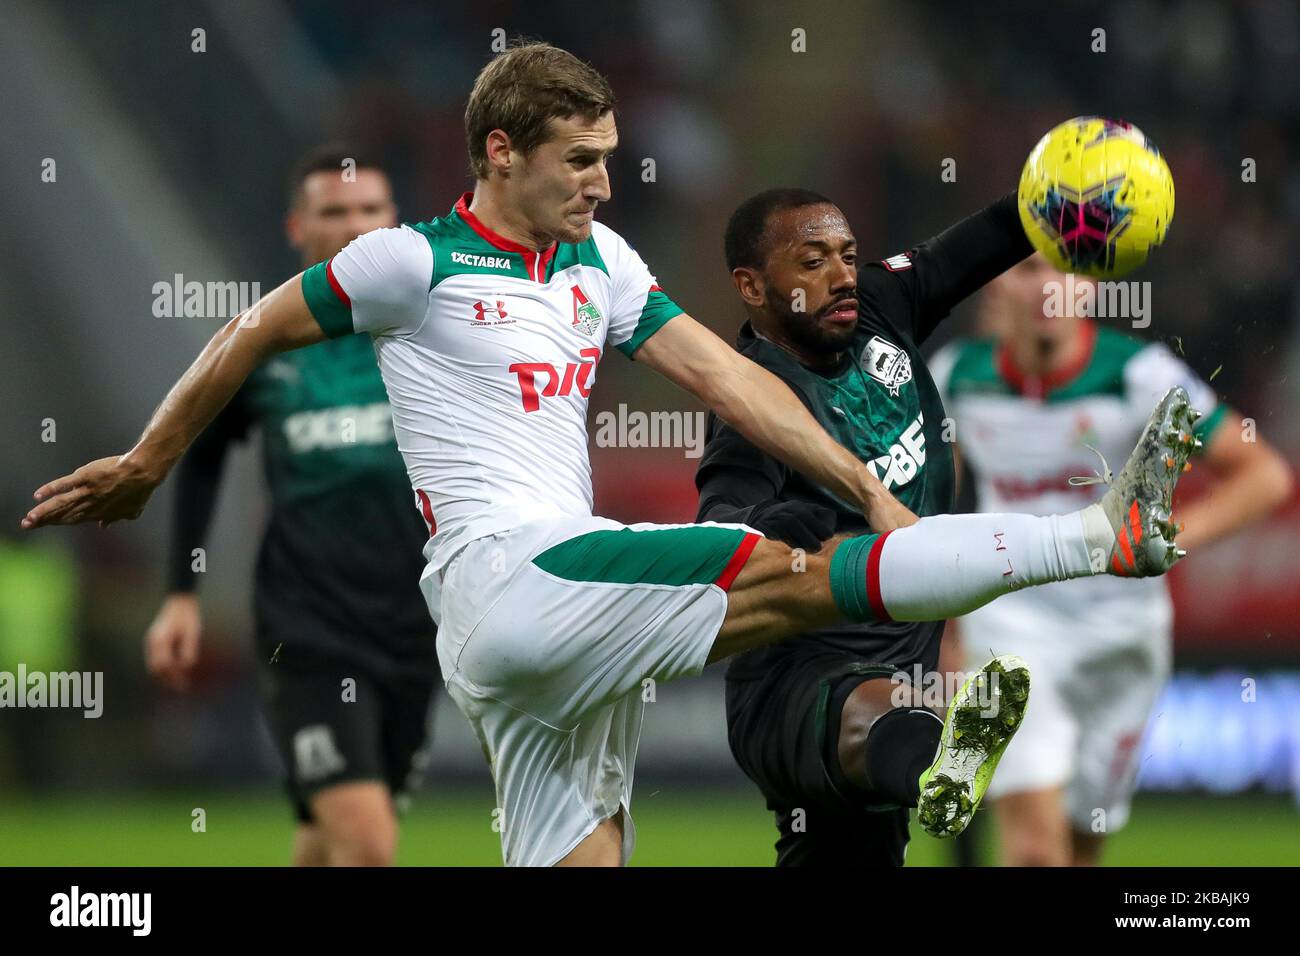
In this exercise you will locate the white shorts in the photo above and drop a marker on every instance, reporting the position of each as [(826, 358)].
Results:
[(1089, 702), (548, 637)]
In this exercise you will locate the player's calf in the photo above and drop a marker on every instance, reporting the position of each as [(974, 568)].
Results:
[(780, 592)]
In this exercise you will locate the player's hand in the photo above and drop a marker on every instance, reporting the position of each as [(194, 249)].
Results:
[(887, 513), (107, 490), (799, 524), (171, 645)]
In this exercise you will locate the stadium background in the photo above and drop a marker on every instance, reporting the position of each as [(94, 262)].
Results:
[(174, 161)]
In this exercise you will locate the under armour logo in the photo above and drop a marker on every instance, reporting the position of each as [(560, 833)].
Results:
[(481, 311)]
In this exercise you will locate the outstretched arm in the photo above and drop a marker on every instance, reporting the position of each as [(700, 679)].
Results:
[(926, 283), (118, 487), (762, 408)]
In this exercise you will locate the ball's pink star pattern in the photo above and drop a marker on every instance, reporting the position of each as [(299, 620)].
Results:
[(1085, 226)]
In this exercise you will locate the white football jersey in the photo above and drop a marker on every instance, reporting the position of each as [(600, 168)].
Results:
[(1025, 438), (488, 351)]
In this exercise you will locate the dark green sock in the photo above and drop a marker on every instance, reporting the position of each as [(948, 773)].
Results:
[(849, 578)]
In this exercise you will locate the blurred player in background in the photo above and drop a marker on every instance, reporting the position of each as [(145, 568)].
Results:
[(820, 723), (344, 641), (1029, 403)]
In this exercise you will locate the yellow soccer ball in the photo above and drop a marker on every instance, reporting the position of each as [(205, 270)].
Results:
[(1096, 196)]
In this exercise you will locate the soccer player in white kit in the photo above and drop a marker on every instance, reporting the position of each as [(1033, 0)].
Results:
[(1027, 403), (488, 325)]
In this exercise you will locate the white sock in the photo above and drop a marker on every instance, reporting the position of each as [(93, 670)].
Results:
[(947, 565)]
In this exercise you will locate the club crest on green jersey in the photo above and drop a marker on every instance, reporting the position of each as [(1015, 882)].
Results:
[(887, 364), (586, 317)]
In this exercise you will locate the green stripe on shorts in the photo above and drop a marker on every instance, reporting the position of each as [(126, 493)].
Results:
[(694, 554)]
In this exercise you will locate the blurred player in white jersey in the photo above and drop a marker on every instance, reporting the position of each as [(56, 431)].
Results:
[(1030, 403)]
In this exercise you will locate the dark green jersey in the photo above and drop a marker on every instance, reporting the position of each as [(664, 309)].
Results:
[(325, 420), (881, 404), (340, 562)]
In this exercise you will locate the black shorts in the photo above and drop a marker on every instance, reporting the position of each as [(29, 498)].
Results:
[(784, 730), (330, 732)]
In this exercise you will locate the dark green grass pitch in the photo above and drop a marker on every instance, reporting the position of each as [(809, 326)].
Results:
[(677, 827)]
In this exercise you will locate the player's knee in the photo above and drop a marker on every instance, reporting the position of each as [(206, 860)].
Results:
[(857, 718), (853, 734), (871, 700), (358, 824)]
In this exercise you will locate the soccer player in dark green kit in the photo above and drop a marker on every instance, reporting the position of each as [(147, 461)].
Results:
[(833, 739), (344, 640)]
